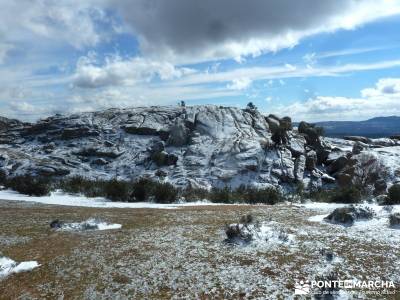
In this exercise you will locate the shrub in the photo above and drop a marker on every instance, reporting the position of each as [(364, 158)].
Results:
[(142, 189), (194, 194), (223, 195), (117, 190), (346, 195), (3, 176), (394, 194), (265, 196), (29, 185), (81, 185), (165, 193), (368, 170)]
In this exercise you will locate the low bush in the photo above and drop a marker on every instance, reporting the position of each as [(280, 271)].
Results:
[(394, 194), (3, 176), (194, 194), (264, 196), (223, 195), (29, 185), (346, 195), (84, 186), (117, 190), (142, 189), (165, 193)]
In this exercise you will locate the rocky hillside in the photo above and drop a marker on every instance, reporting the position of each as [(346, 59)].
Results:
[(199, 146)]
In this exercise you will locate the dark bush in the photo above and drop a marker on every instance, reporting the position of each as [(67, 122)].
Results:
[(3, 176), (194, 194), (160, 158), (116, 190), (223, 195), (394, 194), (142, 189), (264, 196), (165, 193), (81, 185), (346, 195), (29, 185)]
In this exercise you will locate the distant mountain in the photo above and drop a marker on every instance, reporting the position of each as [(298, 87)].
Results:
[(374, 128)]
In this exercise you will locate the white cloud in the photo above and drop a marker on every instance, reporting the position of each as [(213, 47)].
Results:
[(118, 71), (239, 84), (71, 22), (382, 100)]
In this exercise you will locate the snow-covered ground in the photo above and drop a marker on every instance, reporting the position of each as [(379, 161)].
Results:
[(90, 224), (9, 266), (376, 228), (60, 198), (175, 254)]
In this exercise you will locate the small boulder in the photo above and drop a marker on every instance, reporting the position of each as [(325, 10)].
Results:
[(348, 215), (358, 147), (56, 224), (394, 220)]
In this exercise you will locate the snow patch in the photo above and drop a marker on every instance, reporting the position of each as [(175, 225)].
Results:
[(60, 198), (9, 266), (90, 224)]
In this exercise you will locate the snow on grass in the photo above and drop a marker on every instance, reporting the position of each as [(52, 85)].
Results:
[(375, 229), (60, 198), (90, 224), (9, 266)]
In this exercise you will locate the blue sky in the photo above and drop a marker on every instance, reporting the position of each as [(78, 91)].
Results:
[(311, 60)]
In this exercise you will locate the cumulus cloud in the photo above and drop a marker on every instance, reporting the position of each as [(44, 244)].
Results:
[(119, 71), (71, 22), (209, 29), (239, 84), (381, 100)]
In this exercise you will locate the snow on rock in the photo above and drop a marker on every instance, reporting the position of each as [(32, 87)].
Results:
[(265, 234), (60, 198), (9, 266), (376, 228), (90, 224), (203, 146)]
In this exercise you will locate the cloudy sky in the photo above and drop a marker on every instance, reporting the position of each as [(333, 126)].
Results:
[(310, 59)]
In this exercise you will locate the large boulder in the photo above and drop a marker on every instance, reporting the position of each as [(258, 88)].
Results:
[(273, 123), (348, 215), (296, 145), (344, 179), (311, 160), (299, 166), (338, 164)]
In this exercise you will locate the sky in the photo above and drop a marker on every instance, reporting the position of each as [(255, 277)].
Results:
[(311, 60)]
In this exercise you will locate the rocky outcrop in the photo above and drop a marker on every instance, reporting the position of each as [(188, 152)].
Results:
[(199, 146)]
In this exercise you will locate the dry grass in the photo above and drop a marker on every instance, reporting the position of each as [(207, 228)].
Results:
[(164, 254)]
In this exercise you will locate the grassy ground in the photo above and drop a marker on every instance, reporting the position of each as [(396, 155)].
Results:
[(179, 254)]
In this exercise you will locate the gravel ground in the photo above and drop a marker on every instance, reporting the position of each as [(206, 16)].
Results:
[(181, 254)]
